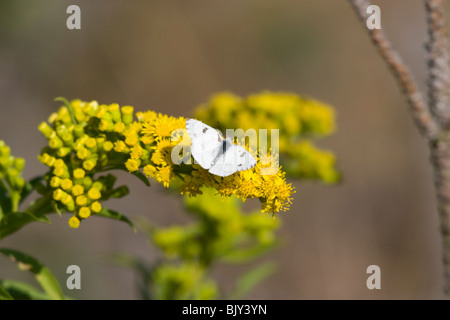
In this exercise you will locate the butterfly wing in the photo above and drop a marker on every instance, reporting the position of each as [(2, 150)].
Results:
[(207, 143), (234, 158)]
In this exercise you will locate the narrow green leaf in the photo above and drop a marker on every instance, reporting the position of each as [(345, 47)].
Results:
[(250, 279), (4, 294), (107, 213), (42, 274), (122, 167), (16, 220), (56, 208), (22, 291), (119, 192), (141, 177)]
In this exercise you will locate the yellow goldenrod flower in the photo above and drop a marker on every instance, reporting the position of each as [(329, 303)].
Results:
[(55, 182), (58, 194), (105, 125), (66, 184), (119, 127), (77, 190), (97, 185), (59, 163), (81, 200), (94, 194), (91, 143), (46, 130), (147, 139), (127, 114), (87, 182), (90, 164), (132, 165), (164, 175), (131, 138), (96, 207), (60, 172), (78, 173), (83, 153), (55, 143), (108, 146), (115, 112), (149, 170), (136, 152), (74, 222), (66, 199), (62, 152), (120, 146), (84, 212)]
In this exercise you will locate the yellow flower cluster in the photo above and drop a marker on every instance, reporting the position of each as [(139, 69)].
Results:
[(298, 119), (272, 190), (11, 180), (86, 138), (75, 153)]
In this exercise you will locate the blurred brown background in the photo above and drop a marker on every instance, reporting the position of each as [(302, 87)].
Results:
[(170, 56)]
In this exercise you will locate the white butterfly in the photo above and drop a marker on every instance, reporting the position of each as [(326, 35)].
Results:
[(220, 156)]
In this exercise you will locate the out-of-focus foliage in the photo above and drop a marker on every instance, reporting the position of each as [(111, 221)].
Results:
[(220, 232)]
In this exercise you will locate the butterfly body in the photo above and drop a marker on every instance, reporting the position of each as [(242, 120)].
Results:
[(214, 153)]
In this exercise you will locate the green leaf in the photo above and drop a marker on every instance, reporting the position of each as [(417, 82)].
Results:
[(250, 279), (107, 213), (4, 294), (122, 167), (119, 192), (56, 208), (16, 220), (42, 274), (22, 291), (141, 177)]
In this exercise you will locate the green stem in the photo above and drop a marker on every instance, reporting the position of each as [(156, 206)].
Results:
[(15, 200), (69, 107)]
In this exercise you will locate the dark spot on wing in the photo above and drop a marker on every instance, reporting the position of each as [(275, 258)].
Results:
[(240, 165), (242, 155), (205, 129)]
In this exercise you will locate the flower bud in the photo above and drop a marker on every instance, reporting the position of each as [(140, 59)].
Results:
[(19, 163), (46, 130), (96, 207), (127, 114), (74, 222), (78, 173), (84, 212)]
